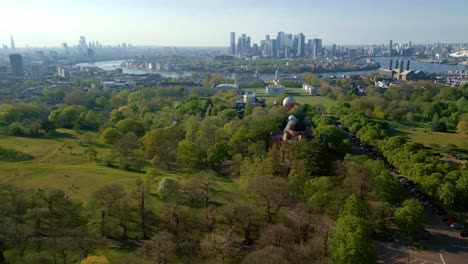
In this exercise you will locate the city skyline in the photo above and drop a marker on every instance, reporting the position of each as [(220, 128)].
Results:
[(205, 23)]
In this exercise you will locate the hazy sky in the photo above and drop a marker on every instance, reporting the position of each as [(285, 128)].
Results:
[(208, 22)]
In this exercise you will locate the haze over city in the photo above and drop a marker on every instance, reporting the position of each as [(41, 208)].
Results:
[(206, 23)]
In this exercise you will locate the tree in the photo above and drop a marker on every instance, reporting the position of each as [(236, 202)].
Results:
[(447, 193), (95, 260), (141, 195), (110, 135), (189, 154), (106, 199), (331, 134), (127, 144), (410, 217), (315, 156), (355, 206), (216, 155), (351, 242), (160, 248), (277, 235), (219, 245), (268, 254), (387, 189), (271, 193), (168, 189), (162, 143), (438, 126)]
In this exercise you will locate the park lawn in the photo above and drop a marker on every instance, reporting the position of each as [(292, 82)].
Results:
[(428, 138), (299, 95), (62, 163)]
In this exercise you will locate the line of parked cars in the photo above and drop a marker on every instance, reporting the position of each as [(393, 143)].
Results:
[(409, 184), (444, 216)]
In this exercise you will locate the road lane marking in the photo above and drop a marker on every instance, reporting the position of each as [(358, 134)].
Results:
[(442, 258), (403, 259)]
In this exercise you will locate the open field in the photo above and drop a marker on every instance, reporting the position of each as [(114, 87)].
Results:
[(299, 95), (62, 163), (428, 138)]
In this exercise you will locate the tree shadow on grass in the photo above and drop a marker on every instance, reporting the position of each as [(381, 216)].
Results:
[(59, 135)]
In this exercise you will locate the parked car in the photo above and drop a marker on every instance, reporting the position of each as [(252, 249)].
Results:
[(450, 221), (463, 234), (457, 226), (422, 235)]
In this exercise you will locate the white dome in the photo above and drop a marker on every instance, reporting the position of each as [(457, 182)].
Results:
[(288, 100)]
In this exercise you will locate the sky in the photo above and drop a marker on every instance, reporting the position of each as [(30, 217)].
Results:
[(41, 23)]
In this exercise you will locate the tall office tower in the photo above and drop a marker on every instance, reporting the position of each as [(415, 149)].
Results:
[(390, 47), (280, 41), (90, 54), (16, 62), (232, 48), (247, 43), (65, 48), (37, 71), (255, 48), (334, 50), (274, 48), (267, 37), (239, 45), (309, 46), (288, 45), (244, 40), (317, 47), (82, 44), (12, 45), (295, 45), (300, 45)]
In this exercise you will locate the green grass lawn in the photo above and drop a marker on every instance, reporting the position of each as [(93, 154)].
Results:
[(298, 94), (428, 138), (62, 163)]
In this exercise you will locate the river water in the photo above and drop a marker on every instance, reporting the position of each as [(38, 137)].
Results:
[(384, 62)]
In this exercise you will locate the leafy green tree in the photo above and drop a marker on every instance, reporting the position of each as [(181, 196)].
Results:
[(316, 158), (110, 135), (351, 242), (168, 189), (189, 154), (387, 189), (355, 206), (271, 193), (438, 126), (410, 217), (216, 155), (447, 193), (107, 199), (162, 144)]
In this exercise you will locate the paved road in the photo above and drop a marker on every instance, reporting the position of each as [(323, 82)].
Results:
[(444, 247)]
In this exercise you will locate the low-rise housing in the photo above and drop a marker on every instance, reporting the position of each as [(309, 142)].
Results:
[(275, 89)]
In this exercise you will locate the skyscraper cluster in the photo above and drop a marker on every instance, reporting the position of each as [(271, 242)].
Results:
[(283, 46)]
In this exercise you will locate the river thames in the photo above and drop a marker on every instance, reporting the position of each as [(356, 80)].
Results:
[(383, 61)]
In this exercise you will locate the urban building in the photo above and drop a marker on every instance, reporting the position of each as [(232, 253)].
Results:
[(37, 71), (275, 89), (232, 49), (12, 45), (16, 62)]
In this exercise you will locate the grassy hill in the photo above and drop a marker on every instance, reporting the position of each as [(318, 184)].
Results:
[(61, 162)]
